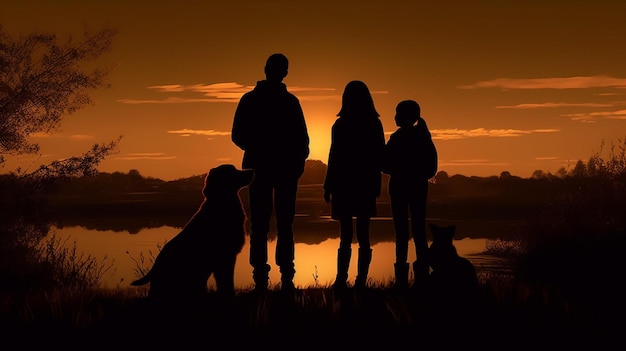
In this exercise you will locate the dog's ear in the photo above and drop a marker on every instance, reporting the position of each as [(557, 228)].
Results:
[(213, 179), (226, 178), (442, 234), (224, 170), (448, 232)]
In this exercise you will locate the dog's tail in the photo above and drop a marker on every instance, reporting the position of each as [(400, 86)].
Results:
[(141, 281)]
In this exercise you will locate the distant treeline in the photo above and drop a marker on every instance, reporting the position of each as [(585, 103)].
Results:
[(480, 205), (505, 195), (314, 173)]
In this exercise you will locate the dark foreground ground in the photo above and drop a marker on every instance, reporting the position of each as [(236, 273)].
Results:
[(505, 317)]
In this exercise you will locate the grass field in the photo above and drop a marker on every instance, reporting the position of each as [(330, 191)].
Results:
[(508, 314)]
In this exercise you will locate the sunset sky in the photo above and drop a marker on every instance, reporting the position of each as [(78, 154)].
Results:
[(503, 85)]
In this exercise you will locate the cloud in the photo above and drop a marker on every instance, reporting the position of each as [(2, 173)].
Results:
[(608, 94), (621, 114), (168, 100), (550, 83), (593, 116), (555, 104), (221, 92), (319, 97), (297, 89), (168, 88), (454, 134), (145, 156), (43, 135), (189, 132), (79, 137), (546, 158), (471, 162)]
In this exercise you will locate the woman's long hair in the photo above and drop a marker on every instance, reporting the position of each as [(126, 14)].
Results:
[(357, 101)]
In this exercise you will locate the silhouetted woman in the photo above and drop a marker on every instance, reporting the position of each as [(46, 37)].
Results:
[(353, 177), (410, 160)]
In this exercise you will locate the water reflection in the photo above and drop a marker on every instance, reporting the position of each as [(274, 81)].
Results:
[(315, 263)]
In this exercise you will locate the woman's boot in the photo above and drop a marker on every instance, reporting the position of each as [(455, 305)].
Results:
[(343, 263), (363, 266), (402, 275)]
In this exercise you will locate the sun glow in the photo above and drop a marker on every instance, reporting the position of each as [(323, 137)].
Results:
[(319, 120), (319, 135)]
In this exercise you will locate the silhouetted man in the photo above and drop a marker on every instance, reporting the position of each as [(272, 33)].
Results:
[(269, 127)]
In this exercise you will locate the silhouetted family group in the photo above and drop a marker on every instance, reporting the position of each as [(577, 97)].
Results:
[(269, 126)]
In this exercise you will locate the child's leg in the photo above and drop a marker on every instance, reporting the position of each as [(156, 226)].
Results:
[(421, 266), (365, 251), (400, 213)]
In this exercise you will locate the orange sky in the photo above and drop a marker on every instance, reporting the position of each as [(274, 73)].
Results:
[(503, 87)]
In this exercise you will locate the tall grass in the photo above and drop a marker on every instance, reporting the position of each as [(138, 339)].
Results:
[(143, 263), (66, 266), (570, 259)]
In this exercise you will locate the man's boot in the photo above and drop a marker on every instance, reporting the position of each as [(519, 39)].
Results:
[(287, 273), (402, 275), (260, 275), (343, 263), (363, 267)]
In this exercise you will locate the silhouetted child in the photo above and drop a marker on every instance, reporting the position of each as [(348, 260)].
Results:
[(410, 160)]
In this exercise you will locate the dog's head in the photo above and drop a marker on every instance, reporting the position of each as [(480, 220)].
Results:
[(226, 179), (442, 247)]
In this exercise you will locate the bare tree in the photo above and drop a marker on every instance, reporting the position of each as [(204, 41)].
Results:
[(42, 79)]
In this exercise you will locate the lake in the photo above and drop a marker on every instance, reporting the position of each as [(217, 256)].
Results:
[(317, 241)]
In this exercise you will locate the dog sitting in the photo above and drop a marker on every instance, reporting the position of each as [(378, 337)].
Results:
[(452, 278), (208, 244), (455, 303)]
